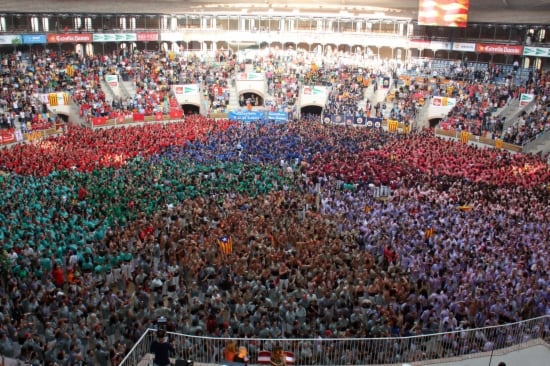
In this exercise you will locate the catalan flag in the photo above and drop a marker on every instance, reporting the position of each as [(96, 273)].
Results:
[(465, 208), (225, 243), (498, 143), (55, 99), (464, 137), (52, 99), (393, 125), (70, 70), (368, 209), (429, 232)]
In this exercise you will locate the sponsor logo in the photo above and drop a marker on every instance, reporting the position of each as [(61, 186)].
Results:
[(499, 49), (150, 36), (69, 38)]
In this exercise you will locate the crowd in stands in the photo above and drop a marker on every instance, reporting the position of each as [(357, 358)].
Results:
[(480, 101), (19, 84), (104, 231), (533, 120)]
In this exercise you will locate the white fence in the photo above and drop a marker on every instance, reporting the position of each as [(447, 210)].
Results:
[(420, 349)]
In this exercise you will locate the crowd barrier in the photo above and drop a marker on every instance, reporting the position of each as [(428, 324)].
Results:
[(468, 137), (12, 136), (421, 349), (121, 120)]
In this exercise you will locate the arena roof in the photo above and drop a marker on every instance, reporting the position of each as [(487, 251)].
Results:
[(481, 11)]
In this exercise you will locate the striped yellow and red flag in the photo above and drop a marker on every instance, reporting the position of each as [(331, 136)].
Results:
[(393, 125), (225, 243), (429, 232), (464, 137)]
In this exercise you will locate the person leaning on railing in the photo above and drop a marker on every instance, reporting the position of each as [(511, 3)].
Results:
[(162, 349)]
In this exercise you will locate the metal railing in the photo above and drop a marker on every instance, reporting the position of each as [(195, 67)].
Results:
[(420, 349)]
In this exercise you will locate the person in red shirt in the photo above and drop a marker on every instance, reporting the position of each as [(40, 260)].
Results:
[(58, 276), (390, 256)]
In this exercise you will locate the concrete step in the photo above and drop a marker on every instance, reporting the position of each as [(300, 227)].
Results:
[(129, 87), (109, 94)]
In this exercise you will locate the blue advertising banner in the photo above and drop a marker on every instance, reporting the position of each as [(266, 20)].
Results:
[(246, 116), (369, 122), (278, 116), (337, 118), (34, 39), (352, 120)]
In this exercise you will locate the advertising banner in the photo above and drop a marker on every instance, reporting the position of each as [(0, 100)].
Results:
[(341, 119), (138, 117), (313, 95), (250, 76), (438, 45), (5, 39), (278, 116), (250, 82), (7, 136), (171, 36), (525, 99), (70, 38), (99, 121), (34, 39), (246, 116), (420, 44), (501, 49), (368, 122), (443, 102), (536, 51), (114, 37), (112, 80), (176, 113), (464, 47), (187, 94), (147, 36)]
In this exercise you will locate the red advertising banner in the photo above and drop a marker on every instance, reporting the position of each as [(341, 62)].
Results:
[(501, 49), (158, 116), (70, 38), (7, 136), (176, 113), (138, 117), (99, 121), (147, 36)]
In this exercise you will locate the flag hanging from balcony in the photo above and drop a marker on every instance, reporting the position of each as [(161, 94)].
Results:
[(225, 243)]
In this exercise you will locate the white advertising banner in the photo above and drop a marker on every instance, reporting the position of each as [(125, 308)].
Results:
[(171, 36), (438, 45), (314, 95), (253, 82), (9, 39), (112, 80), (187, 94), (464, 47), (525, 99), (536, 51)]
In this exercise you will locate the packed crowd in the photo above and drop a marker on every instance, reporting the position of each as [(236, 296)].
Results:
[(478, 105), (19, 85), (532, 123), (106, 231)]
